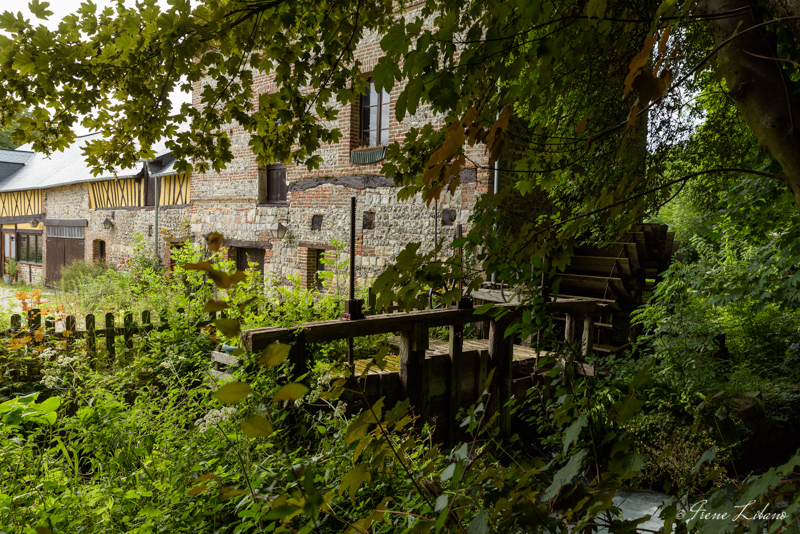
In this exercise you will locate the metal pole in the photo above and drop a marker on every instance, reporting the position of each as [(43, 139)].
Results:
[(352, 307), (435, 222), (495, 190), (350, 348), (352, 248), (155, 204), (460, 260)]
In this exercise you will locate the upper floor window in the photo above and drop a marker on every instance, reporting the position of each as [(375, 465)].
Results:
[(374, 117), (272, 184)]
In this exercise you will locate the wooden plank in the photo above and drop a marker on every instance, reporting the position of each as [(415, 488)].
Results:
[(482, 374), (593, 286), (129, 327), (501, 355), (413, 344), (70, 325), (599, 266), (322, 331), (668, 244), (587, 338), (455, 350), (110, 333), (224, 358), (573, 327), (91, 340), (641, 245), (297, 356), (495, 295)]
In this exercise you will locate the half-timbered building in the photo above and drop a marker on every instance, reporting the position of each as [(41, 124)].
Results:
[(53, 211)]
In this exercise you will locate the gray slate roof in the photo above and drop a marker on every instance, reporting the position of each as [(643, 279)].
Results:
[(23, 169)]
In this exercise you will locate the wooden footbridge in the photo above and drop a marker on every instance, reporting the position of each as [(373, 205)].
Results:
[(598, 290), (440, 382)]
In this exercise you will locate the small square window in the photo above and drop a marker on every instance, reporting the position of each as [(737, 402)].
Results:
[(316, 222), (369, 220), (448, 217)]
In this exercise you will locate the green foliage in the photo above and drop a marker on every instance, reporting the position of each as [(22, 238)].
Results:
[(11, 267), (78, 272)]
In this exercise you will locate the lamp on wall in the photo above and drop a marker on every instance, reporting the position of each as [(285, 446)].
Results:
[(108, 223), (278, 230), (34, 223)]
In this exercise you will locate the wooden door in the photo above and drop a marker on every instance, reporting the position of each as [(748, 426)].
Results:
[(60, 252), (246, 255), (73, 250), (54, 259)]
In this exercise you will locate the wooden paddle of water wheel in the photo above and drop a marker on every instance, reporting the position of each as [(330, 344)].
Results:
[(620, 276)]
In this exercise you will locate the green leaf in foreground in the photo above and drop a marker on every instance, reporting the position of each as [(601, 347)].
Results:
[(215, 306), (256, 427), (565, 475), (232, 392), (479, 524), (291, 392), (228, 327), (354, 478), (275, 354)]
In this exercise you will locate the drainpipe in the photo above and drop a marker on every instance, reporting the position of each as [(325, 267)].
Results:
[(155, 209), (495, 190)]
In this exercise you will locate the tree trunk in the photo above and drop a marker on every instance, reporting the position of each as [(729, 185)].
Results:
[(759, 87), (788, 8)]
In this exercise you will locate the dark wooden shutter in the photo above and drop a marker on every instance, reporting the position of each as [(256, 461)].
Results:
[(149, 191), (262, 186), (276, 183)]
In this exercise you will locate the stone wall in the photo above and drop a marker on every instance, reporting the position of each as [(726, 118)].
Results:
[(72, 203), (226, 202)]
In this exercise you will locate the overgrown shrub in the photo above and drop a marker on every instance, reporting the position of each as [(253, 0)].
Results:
[(78, 272)]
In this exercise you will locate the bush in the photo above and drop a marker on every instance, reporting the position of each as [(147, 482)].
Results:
[(77, 272)]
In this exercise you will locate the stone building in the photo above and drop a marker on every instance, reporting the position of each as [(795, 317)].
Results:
[(53, 211), (243, 201)]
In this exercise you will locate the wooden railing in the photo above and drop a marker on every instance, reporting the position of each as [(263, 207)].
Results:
[(415, 373)]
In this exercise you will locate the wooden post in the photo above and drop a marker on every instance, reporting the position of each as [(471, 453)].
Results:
[(413, 344), (128, 322), (34, 319), (587, 339), (91, 341), (146, 325), (16, 322), (572, 329), (50, 325), (69, 326), (501, 353), (455, 348), (110, 333), (372, 302), (297, 356)]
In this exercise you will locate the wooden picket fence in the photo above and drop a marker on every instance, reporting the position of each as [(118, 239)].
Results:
[(110, 332)]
